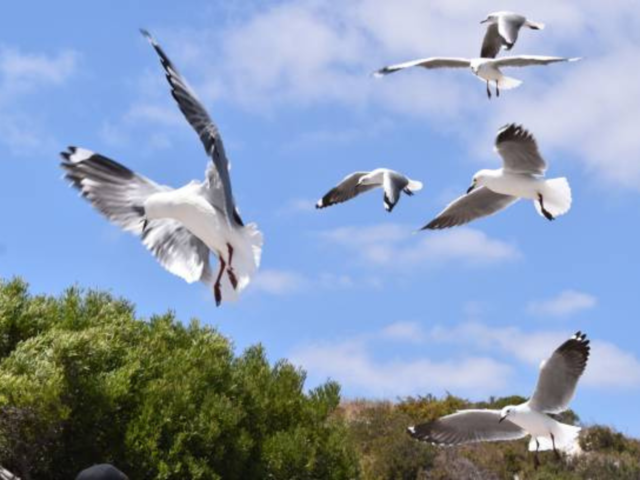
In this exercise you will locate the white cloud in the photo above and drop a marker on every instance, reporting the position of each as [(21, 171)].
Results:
[(286, 282), (279, 282), (296, 206), (491, 358), (352, 364), (23, 74), (403, 331), (24, 71), (608, 366), (393, 245), (565, 304)]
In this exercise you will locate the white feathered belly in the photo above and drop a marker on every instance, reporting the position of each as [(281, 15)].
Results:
[(195, 213), (211, 226), (541, 427), (488, 72), (517, 185)]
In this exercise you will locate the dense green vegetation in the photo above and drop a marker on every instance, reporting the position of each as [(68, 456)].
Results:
[(83, 381)]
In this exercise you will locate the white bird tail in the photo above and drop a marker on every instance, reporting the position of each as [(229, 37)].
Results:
[(534, 25), (556, 195), (245, 262), (565, 438), (507, 83), (414, 185)]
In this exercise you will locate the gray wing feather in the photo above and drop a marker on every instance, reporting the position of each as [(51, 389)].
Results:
[(509, 27), (519, 150), (119, 194), (527, 60), (429, 63), (467, 426), (197, 116), (559, 375), (347, 189), (492, 42), (481, 202)]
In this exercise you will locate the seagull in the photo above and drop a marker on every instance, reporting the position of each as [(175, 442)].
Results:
[(179, 226), (521, 176), (393, 184), (487, 69), (502, 31), (556, 386)]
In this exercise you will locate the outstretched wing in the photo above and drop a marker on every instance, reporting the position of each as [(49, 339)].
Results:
[(519, 150), (347, 189), (492, 42), (559, 375), (119, 194), (509, 26), (527, 60), (481, 202), (467, 426), (430, 63), (195, 113)]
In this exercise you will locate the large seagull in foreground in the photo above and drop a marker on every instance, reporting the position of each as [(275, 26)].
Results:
[(179, 226), (557, 382)]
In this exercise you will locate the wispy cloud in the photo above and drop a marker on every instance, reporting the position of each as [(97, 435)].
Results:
[(486, 360), (22, 74), (287, 282), (609, 366), (564, 304), (393, 245), (353, 365), (297, 205), (411, 332), (279, 282)]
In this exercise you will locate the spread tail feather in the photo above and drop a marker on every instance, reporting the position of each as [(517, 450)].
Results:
[(507, 83), (245, 262), (556, 195), (565, 438), (414, 185), (534, 25)]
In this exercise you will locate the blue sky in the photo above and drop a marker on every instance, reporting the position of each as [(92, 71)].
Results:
[(349, 292)]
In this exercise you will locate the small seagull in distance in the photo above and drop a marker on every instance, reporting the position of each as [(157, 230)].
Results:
[(486, 69), (502, 31), (521, 176), (392, 183), (557, 382), (179, 226)]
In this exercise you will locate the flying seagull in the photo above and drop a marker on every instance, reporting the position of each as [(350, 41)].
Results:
[(487, 69), (556, 386), (521, 176), (502, 32), (179, 226), (393, 184)]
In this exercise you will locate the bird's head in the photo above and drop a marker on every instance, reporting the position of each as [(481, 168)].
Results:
[(508, 411), (491, 18), (479, 179)]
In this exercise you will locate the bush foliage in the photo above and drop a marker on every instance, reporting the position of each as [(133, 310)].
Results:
[(83, 381)]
